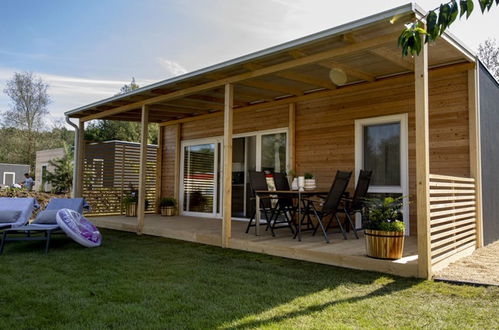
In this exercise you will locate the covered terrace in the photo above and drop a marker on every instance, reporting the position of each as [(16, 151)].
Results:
[(337, 63)]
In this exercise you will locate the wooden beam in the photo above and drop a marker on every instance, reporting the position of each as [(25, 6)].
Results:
[(422, 163), (292, 136), (195, 104), (144, 134), (176, 187), (285, 90), (384, 52), (227, 166), (81, 160), (321, 83), (177, 109), (295, 76), (348, 69), (332, 64), (475, 150), (159, 165), (353, 48), (405, 77)]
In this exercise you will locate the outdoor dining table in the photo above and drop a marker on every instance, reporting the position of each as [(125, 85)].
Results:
[(299, 195)]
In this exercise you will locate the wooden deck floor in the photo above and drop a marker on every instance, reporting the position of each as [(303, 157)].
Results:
[(344, 253)]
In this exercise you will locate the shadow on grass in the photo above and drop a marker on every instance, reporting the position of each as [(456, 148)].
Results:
[(387, 289), (136, 281)]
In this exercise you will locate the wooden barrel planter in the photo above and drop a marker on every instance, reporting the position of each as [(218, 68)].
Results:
[(131, 210), (168, 211), (384, 244)]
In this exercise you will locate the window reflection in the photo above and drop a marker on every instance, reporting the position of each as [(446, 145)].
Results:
[(274, 152), (382, 153)]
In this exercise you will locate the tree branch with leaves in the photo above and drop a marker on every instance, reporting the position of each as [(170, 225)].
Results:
[(415, 34)]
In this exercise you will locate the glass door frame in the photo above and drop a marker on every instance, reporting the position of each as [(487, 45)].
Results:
[(219, 167), (404, 157), (258, 150), (218, 175)]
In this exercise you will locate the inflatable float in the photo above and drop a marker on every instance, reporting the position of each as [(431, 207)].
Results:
[(79, 228)]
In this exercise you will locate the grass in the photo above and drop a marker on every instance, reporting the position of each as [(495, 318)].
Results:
[(149, 282)]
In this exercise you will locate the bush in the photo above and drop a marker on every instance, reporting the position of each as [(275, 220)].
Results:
[(167, 201), (383, 213)]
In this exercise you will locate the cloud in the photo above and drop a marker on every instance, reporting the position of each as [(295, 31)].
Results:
[(172, 68), (66, 92)]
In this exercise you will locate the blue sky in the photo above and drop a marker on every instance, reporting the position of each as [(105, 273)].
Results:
[(87, 49)]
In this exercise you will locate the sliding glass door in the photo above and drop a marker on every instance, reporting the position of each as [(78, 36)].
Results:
[(201, 171)]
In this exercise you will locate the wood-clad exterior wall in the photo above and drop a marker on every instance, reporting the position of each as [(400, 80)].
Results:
[(325, 130)]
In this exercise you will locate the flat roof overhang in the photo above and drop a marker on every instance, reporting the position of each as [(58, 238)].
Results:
[(366, 50)]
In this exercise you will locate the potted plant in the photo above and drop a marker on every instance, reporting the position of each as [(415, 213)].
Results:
[(130, 205), (168, 206), (309, 181), (384, 233)]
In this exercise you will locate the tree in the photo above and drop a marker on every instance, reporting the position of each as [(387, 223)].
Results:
[(129, 87), (105, 130), (437, 21), (488, 53), (29, 101), (61, 178)]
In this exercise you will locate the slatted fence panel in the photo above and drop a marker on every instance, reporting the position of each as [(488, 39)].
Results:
[(111, 172), (452, 216)]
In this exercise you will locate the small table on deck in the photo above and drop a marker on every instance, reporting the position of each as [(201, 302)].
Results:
[(290, 193)]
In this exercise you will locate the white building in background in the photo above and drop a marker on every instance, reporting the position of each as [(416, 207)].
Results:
[(12, 173), (43, 158)]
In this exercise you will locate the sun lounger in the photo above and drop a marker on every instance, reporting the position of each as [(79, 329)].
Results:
[(25, 206), (44, 230)]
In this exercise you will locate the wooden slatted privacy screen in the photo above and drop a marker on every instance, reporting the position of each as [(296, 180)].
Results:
[(111, 172), (452, 216)]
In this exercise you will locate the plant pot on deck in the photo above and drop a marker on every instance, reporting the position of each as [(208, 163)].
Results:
[(131, 210), (168, 211), (384, 244)]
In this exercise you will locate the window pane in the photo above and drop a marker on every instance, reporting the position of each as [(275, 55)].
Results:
[(382, 153), (274, 152), (199, 174)]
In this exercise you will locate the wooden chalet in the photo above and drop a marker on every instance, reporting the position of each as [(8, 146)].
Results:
[(334, 100)]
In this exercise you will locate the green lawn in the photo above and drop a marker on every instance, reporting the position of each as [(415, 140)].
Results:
[(149, 282)]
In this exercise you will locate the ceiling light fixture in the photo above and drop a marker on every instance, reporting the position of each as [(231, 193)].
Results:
[(338, 76)]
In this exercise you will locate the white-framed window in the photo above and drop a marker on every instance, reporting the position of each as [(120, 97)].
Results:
[(381, 145), (9, 178)]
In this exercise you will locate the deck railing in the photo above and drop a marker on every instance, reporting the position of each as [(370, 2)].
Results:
[(452, 216)]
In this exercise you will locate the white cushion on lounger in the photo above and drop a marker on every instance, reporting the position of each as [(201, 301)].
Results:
[(8, 216), (46, 217)]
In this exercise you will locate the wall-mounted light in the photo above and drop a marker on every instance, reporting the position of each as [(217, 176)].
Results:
[(338, 76)]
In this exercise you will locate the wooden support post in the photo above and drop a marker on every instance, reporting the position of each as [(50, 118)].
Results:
[(475, 149), (144, 133), (81, 160), (422, 163), (292, 136), (176, 188), (227, 167), (159, 165)]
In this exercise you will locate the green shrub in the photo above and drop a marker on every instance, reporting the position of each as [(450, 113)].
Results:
[(167, 201), (308, 175), (383, 213)]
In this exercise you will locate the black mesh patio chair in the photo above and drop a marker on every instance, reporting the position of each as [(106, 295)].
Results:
[(258, 181), (355, 204), (328, 208), (284, 209)]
